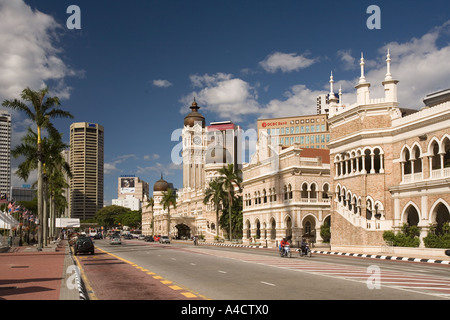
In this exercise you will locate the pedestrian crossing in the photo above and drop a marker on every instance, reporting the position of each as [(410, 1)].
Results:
[(426, 284)]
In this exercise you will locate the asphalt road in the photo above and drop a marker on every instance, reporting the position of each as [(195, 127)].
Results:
[(227, 273)]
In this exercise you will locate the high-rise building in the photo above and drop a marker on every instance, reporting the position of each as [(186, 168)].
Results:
[(86, 163), (5, 154), (132, 192), (309, 131)]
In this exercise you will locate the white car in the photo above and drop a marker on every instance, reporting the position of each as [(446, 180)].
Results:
[(115, 240), (164, 239)]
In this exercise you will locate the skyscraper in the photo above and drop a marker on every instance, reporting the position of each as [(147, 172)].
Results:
[(86, 163), (5, 154)]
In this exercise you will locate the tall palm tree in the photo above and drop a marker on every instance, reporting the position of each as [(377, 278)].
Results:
[(151, 204), (231, 178), (54, 168), (215, 194), (41, 112), (169, 199)]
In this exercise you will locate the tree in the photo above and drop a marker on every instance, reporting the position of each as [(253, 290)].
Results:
[(108, 216), (54, 168), (231, 178), (169, 199), (216, 195), (40, 112), (151, 204)]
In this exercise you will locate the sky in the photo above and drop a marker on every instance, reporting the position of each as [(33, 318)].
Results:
[(134, 67)]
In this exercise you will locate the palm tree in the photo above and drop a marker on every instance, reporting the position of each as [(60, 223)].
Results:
[(40, 113), (54, 168), (151, 204), (216, 195), (169, 198), (230, 177)]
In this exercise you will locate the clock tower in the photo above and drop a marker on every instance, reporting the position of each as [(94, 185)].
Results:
[(194, 149)]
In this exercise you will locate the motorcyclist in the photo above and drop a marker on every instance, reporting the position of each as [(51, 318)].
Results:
[(303, 245), (283, 243)]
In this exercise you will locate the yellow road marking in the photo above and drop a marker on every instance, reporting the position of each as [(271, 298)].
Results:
[(173, 287), (189, 295)]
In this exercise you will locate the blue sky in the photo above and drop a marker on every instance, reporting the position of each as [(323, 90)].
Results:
[(135, 66)]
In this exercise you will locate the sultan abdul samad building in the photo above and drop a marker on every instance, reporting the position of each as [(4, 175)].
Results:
[(206, 149), (386, 166)]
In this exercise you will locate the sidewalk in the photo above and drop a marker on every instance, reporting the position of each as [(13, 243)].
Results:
[(28, 274)]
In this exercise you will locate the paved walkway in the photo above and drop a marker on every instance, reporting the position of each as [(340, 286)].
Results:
[(26, 274)]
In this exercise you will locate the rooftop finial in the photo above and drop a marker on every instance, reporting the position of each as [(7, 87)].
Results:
[(331, 84), (388, 63), (362, 79)]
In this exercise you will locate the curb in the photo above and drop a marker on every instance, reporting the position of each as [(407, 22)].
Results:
[(383, 257), (83, 293)]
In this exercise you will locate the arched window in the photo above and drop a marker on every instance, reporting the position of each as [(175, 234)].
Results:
[(369, 209), (412, 216), (273, 229), (326, 187), (442, 217)]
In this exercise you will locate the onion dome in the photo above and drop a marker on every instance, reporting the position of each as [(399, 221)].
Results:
[(194, 116), (161, 185)]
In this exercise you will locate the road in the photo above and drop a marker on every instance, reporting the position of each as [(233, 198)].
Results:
[(141, 270)]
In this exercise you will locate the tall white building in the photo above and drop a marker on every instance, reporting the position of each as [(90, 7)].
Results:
[(5, 154)]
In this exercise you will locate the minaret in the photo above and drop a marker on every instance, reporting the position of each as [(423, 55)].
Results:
[(332, 100), (390, 85), (362, 89)]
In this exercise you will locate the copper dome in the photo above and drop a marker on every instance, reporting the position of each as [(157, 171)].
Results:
[(194, 116), (161, 185)]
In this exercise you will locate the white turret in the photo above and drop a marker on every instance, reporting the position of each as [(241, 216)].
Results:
[(390, 85)]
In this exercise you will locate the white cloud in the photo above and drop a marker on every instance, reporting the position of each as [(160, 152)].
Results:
[(299, 101), (229, 97), (109, 167), (162, 83), (28, 55), (165, 169), (286, 62)]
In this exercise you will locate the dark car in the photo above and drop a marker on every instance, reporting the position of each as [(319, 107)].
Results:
[(83, 244), (149, 239)]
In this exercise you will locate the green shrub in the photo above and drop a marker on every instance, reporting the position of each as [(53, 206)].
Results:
[(438, 240), (407, 237)]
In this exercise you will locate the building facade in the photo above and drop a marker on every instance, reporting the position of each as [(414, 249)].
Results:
[(309, 131), (86, 163), (206, 149), (285, 193), (5, 154), (390, 165), (132, 192)]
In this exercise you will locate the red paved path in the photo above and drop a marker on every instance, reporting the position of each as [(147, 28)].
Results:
[(31, 275)]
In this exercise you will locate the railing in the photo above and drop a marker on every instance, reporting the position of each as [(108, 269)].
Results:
[(359, 221)]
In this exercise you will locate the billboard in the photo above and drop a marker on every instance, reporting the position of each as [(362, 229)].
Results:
[(127, 185)]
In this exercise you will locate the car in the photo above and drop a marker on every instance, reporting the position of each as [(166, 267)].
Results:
[(127, 236), (115, 239), (156, 238), (83, 244), (164, 239), (149, 239), (141, 237)]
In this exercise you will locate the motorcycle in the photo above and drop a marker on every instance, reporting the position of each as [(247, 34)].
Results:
[(285, 251), (306, 251)]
